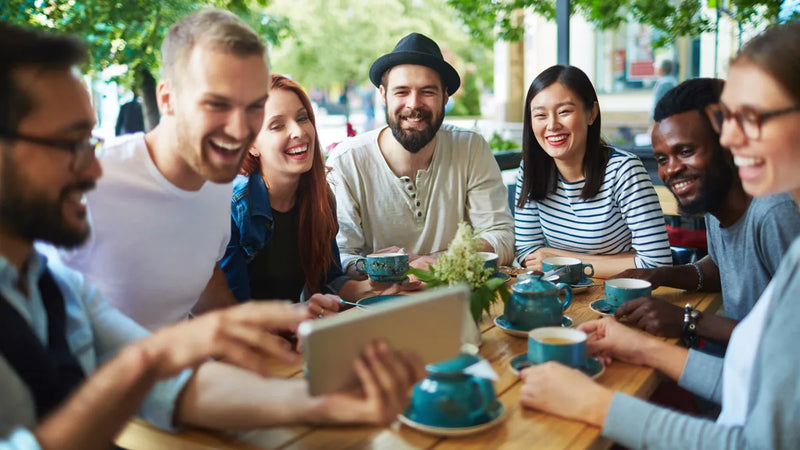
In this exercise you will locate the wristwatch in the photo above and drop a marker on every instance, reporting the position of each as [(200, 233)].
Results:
[(689, 334)]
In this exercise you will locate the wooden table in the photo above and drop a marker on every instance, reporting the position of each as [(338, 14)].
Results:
[(521, 428)]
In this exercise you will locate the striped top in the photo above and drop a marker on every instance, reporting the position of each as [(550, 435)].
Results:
[(625, 215)]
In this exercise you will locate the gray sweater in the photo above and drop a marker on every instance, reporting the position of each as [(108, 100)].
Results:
[(774, 403)]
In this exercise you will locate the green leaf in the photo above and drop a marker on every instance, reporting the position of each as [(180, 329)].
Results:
[(423, 275)]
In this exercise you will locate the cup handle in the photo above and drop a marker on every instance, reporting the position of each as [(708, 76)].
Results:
[(567, 296), (361, 265), (591, 268)]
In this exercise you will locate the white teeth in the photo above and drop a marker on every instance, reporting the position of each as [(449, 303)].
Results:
[(229, 146), (681, 185), (741, 161), (298, 150), (559, 138), (76, 196)]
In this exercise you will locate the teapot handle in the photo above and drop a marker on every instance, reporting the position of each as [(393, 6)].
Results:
[(486, 390), (567, 297)]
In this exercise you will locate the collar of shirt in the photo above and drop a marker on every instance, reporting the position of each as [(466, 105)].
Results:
[(31, 307)]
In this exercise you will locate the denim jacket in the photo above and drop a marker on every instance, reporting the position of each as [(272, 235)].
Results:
[(251, 230)]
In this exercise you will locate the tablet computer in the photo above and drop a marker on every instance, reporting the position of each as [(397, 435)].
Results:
[(428, 324)]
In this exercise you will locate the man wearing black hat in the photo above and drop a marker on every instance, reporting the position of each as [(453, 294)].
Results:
[(410, 183)]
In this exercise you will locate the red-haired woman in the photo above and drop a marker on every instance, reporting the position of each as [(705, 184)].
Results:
[(283, 226)]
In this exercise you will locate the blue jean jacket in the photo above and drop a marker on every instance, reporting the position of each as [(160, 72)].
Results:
[(251, 230)]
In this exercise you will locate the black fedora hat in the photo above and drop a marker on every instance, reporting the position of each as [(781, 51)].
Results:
[(420, 50)]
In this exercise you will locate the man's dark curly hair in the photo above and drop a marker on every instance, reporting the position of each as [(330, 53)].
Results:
[(694, 94)]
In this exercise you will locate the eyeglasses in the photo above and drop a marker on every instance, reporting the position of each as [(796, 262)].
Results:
[(748, 119), (83, 151)]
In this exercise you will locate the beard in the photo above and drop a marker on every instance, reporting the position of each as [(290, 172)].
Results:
[(35, 218), (714, 186), (414, 140)]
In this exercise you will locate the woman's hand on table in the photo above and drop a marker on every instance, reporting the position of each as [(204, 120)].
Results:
[(534, 259), (609, 339), (386, 377), (557, 389), (243, 335), (322, 305)]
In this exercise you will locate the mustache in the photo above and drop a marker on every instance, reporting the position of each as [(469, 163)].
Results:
[(82, 186), (416, 113)]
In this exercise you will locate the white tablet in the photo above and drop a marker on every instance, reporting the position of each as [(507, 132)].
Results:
[(428, 324)]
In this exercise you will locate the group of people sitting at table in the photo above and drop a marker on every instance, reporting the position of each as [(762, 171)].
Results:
[(97, 282)]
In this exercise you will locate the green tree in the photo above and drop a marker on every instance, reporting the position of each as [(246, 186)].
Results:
[(129, 32), (487, 20), (335, 41)]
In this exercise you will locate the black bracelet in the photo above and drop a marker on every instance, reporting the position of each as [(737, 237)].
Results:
[(689, 336)]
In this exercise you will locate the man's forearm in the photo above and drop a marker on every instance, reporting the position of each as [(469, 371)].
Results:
[(212, 400), (716, 328)]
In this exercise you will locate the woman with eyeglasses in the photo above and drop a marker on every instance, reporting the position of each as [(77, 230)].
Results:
[(758, 381), (576, 195)]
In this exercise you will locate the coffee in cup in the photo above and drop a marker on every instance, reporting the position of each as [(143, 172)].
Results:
[(574, 270), (384, 267), (564, 345), (621, 290)]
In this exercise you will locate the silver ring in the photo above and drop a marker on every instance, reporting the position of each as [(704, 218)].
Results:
[(319, 316)]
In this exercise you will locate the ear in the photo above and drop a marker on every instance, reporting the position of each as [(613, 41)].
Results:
[(594, 113), (382, 91), (166, 98)]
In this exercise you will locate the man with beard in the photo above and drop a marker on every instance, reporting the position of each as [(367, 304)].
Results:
[(408, 185), (73, 369), (747, 237), (162, 210)]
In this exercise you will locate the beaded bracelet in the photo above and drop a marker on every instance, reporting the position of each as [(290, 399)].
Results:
[(699, 276)]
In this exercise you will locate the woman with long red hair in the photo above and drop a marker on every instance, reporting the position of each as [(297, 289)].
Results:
[(283, 227)]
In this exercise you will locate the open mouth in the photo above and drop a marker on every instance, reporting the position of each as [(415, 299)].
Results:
[(747, 161), (556, 139), (682, 186), (226, 149), (297, 151)]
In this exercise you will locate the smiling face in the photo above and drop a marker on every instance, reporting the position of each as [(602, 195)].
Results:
[(218, 106), (690, 162), (560, 122), (769, 164), (286, 142), (414, 99), (40, 197)]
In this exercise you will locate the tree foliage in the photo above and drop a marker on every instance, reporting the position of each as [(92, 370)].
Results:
[(336, 41), (487, 19)]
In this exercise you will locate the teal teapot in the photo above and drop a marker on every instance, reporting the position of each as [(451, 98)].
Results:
[(535, 303)]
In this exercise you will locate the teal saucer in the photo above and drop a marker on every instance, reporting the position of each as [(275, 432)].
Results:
[(593, 367), (601, 307), (370, 301), (490, 419), (582, 285), (506, 326)]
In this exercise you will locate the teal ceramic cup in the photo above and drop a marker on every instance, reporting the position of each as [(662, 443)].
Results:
[(621, 290), (564, 345), (489, 260), (575, 269), (450, 398), (384, 267)]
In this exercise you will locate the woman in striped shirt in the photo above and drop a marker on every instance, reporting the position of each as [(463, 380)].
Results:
[(576, 196)]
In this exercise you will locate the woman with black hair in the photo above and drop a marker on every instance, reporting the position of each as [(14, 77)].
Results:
[(576, 196)]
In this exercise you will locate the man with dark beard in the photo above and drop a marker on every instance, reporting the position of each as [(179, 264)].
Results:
[(747, 237), (410, 184)]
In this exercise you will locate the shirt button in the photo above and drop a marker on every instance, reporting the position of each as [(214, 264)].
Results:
[(419, 213), (413, 195), (417, 203)]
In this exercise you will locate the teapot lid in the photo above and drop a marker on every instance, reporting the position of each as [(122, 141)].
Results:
[(532, 284), (452, 366)]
